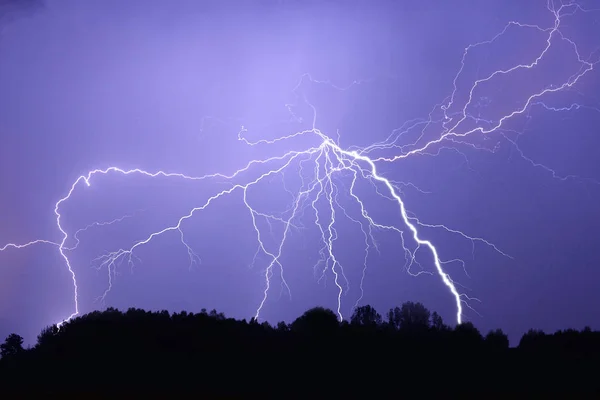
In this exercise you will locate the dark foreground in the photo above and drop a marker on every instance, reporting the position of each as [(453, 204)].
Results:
[(411, 354)]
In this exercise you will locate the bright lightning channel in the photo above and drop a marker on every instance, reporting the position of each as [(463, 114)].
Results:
[(330, 160)]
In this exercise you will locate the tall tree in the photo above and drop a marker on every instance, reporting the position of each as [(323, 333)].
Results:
[(410, 316), (365, 316), (437, 322), (12, 346), (497, 340), (316, 320), (46, 335), (467, 334)]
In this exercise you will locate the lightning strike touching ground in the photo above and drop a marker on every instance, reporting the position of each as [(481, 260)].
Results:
[(323, 167)]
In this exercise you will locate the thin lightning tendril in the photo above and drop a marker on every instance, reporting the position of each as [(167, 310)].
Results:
[(330, 163)]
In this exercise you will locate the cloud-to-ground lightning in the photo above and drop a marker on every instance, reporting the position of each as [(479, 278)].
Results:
[(328, 171)]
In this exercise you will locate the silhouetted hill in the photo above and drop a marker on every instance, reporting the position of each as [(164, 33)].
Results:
[(410, 352)]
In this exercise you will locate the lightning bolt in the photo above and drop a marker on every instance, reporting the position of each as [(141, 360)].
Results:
[(325, 167), (97, 224)]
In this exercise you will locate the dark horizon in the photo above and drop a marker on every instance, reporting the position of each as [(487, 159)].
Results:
[(495, 159), (405, 314), (207, 352)]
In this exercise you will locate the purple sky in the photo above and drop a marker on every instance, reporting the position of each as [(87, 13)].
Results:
[(167, 86)]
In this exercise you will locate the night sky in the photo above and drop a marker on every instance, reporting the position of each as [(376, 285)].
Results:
[(188, 86)]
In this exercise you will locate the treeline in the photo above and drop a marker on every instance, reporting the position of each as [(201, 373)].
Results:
[(409, 351)]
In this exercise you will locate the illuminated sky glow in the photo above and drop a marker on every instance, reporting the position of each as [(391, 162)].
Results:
[(300, 195)]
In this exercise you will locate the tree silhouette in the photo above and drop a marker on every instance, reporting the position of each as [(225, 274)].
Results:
[(316, 320), (410, 316), (533, 339), (437, 322), (12, 346), (282, 327), (497, 340), (46, 335), (365, 316), (206, 352), (467, 335)]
